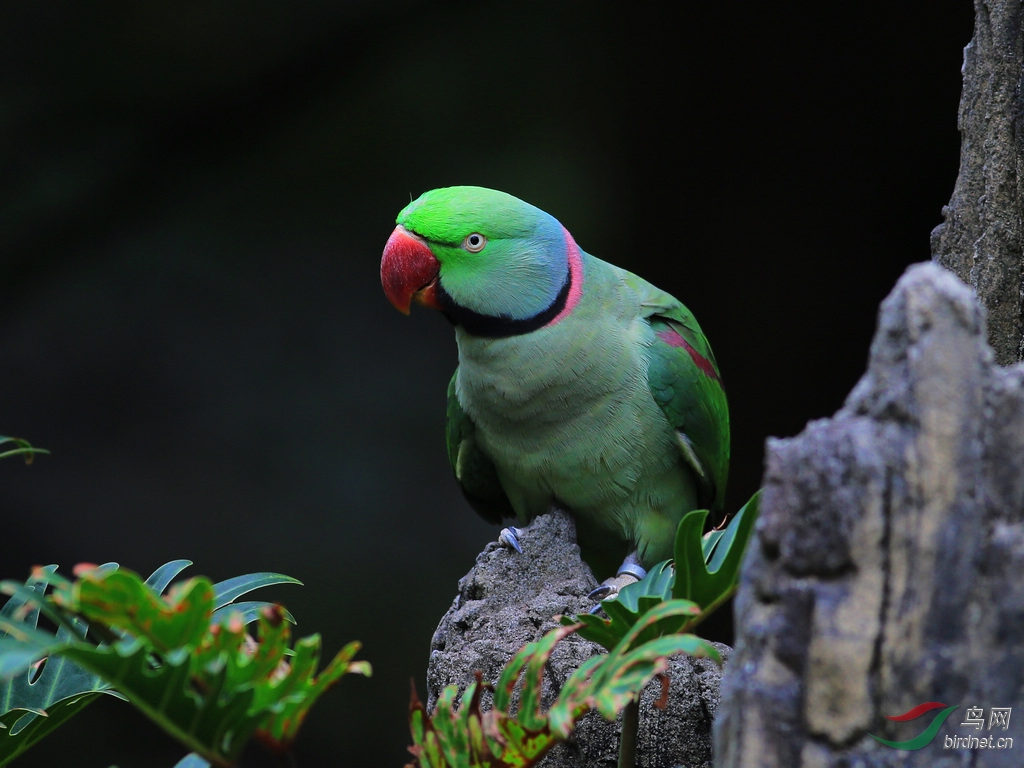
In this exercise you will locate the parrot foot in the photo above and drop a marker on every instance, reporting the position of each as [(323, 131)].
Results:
[(630, 572), (509, 537)]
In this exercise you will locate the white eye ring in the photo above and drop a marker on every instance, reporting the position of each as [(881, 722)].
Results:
[(474, 243)]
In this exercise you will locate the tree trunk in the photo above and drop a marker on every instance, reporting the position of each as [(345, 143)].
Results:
[(982, 239)]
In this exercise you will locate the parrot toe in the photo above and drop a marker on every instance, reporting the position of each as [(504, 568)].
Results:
[(610, 588), (509, 537)]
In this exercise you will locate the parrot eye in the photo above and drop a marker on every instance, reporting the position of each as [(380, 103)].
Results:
[(474, 243)]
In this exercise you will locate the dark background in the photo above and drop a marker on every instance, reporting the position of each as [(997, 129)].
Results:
[(193, 202)]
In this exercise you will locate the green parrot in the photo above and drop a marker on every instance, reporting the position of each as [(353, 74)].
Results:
[(579, 384)]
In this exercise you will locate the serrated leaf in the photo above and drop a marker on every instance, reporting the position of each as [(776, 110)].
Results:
[(572, 701), (667, 611), (451, 738)]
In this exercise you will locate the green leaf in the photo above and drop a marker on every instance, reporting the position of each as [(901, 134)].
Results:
[(121, 601), (728, 551), (536, 660), (573, 700), (164, 575), (217, 728), (231, 589), (248, 610), (295, 695), (658, 615), (710, 584), (709, 542), (24, 448), (656, 584), (631, 664), (622, 677)]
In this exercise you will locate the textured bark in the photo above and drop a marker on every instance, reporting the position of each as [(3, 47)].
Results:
[(509, 599), (982, 239), (886, 570)]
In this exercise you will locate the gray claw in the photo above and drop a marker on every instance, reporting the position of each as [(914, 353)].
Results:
[(629, 572), (510, 538), (599, 593)]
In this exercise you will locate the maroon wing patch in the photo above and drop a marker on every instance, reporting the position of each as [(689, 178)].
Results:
[(673, 338)]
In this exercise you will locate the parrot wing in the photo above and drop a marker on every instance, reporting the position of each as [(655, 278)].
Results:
[(684, 379), (474, 472)]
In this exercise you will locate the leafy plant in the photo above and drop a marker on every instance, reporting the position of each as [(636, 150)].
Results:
[(705, 571), (184, 659), (647, 623)]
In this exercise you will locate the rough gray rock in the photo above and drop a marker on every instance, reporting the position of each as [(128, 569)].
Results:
[(887, 569), (982, 239), (509, 599)]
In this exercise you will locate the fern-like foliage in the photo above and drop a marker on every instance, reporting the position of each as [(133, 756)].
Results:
[(184, 658), (466, 736)]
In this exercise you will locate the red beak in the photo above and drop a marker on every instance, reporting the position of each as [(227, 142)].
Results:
[(408, 270)]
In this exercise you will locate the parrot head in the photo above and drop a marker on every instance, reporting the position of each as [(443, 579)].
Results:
[(486, 259)]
